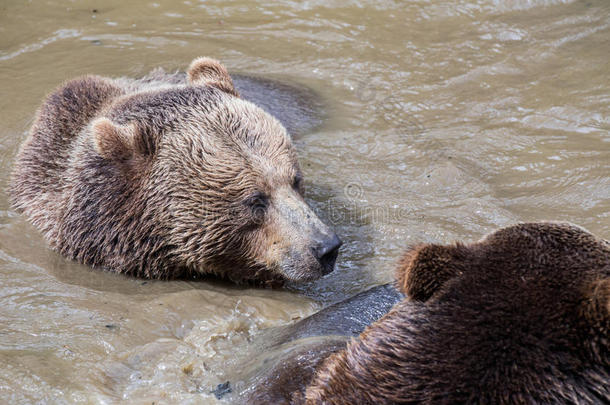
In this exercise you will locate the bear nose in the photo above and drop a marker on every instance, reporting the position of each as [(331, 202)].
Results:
[(326, 252)]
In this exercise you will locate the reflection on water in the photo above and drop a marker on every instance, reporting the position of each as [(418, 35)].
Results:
[(445, 121)]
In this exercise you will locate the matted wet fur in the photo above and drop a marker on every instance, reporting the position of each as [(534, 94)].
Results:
[(160, 179), (523, 316)]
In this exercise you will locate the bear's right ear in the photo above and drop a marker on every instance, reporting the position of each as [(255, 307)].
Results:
[(210, 72), (117, 142), (424, 269)]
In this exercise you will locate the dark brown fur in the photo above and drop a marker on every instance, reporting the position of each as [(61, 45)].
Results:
[(157, 179), (289, 355), (522, 316)]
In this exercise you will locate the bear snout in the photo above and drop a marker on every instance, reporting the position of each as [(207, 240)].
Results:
[(326, 251), (307, 248)]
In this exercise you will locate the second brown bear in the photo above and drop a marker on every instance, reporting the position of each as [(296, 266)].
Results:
[(521, 317)]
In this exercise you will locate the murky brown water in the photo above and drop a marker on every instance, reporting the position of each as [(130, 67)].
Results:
[(447, 119)]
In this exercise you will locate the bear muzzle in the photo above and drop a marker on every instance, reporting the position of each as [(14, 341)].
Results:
[(307, 248)]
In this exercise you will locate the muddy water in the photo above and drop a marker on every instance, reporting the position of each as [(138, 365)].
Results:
[(444, 121)]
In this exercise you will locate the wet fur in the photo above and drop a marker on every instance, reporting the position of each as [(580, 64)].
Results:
[(522, 316), (117, 175)]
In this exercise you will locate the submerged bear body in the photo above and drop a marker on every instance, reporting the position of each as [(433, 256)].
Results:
[(161, 180)]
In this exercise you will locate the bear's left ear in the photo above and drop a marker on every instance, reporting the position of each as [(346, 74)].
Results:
[(424, 269), (210, 72), (120, 142)]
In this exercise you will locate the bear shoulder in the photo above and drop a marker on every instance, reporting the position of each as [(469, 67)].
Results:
[(38, 173), (72, 105)]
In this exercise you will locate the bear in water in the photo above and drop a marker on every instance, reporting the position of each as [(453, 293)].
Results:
[(522, 316), (162, 178)]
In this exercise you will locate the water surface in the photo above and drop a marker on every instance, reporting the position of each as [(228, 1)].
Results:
[(445, 120)]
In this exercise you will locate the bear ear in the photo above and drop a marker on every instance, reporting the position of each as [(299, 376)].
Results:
[(210, 72), (425, 268), (118, 142)]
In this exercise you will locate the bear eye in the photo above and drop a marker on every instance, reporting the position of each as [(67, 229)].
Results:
[(258, 203), (297, 181)]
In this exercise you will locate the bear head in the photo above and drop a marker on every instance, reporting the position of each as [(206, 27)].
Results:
[(221, 178)]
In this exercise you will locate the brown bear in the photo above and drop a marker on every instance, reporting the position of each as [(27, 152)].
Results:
[(159, 179), (521, 317)]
